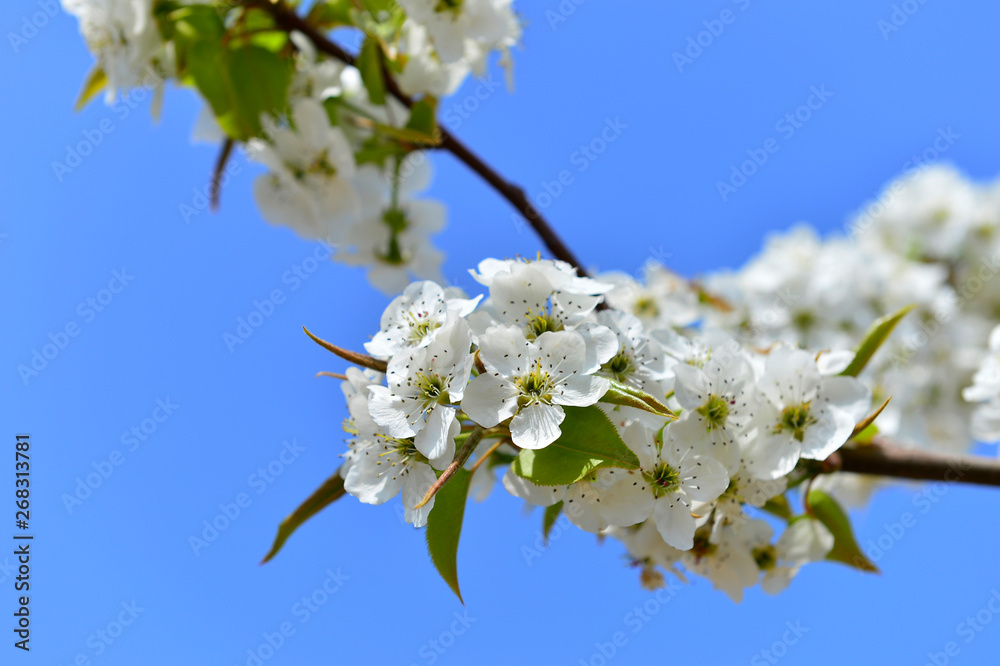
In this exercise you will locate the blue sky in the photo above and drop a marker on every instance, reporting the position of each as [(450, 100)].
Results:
[(104, 251)]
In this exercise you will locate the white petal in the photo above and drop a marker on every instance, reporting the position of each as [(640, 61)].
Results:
[(489, 400), (628, 502), (536, 426), (581, 391), (417, 483), (674, 521), (529, 492), (434, 440)]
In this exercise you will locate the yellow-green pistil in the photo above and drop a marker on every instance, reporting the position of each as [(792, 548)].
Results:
[(765, 557), (795, 419), (664, 479), (534, 386), (542, 323), (432, 389), (620, 366), (420, 327), (714, 411)]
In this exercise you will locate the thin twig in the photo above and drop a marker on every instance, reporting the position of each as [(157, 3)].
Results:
[(490, 451), (220, 164), (363, 360), (449, 471)]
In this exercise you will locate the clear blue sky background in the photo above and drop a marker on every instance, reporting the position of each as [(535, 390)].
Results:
[(653, 191)]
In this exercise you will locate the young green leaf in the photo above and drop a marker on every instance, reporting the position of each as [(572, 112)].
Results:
[(845, 548), (444, 527), (423, 122), (370, 65), (589, 442), (331, 490), (552, 514), (95, 83), (876, 335), (627, 396)]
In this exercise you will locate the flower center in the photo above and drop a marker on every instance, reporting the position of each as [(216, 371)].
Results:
[(664, 479), (535, 387), (620, 366), (645, 307), (714, 411), (432, 389), (795, 419), (765, 557), (421, 326), (542, 323)]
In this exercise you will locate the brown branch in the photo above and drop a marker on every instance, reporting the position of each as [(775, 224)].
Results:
[(220, 164), (883, 457), (288, 20)]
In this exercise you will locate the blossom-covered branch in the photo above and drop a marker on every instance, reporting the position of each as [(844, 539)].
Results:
[(289, 20)]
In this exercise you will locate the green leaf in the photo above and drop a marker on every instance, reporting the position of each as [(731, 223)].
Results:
[(845, 548), (552, 514), (259, 80), (331, 490), (423, 122), (331, 13), (240, 84), (867, 426), (876, 335), (444, 527), (778, 506), (589, 442), (369, 63), (627, 396), (95, 83)]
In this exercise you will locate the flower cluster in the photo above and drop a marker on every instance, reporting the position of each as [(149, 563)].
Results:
[(342, 153), (931, 239), (713, 432)]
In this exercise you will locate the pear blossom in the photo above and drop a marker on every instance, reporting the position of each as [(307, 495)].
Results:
[(719, 399), (424, 385), (309, 185), (672, 477), (530, 382), (384, 467), (413, 319), (124, 37), (802, 414)]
